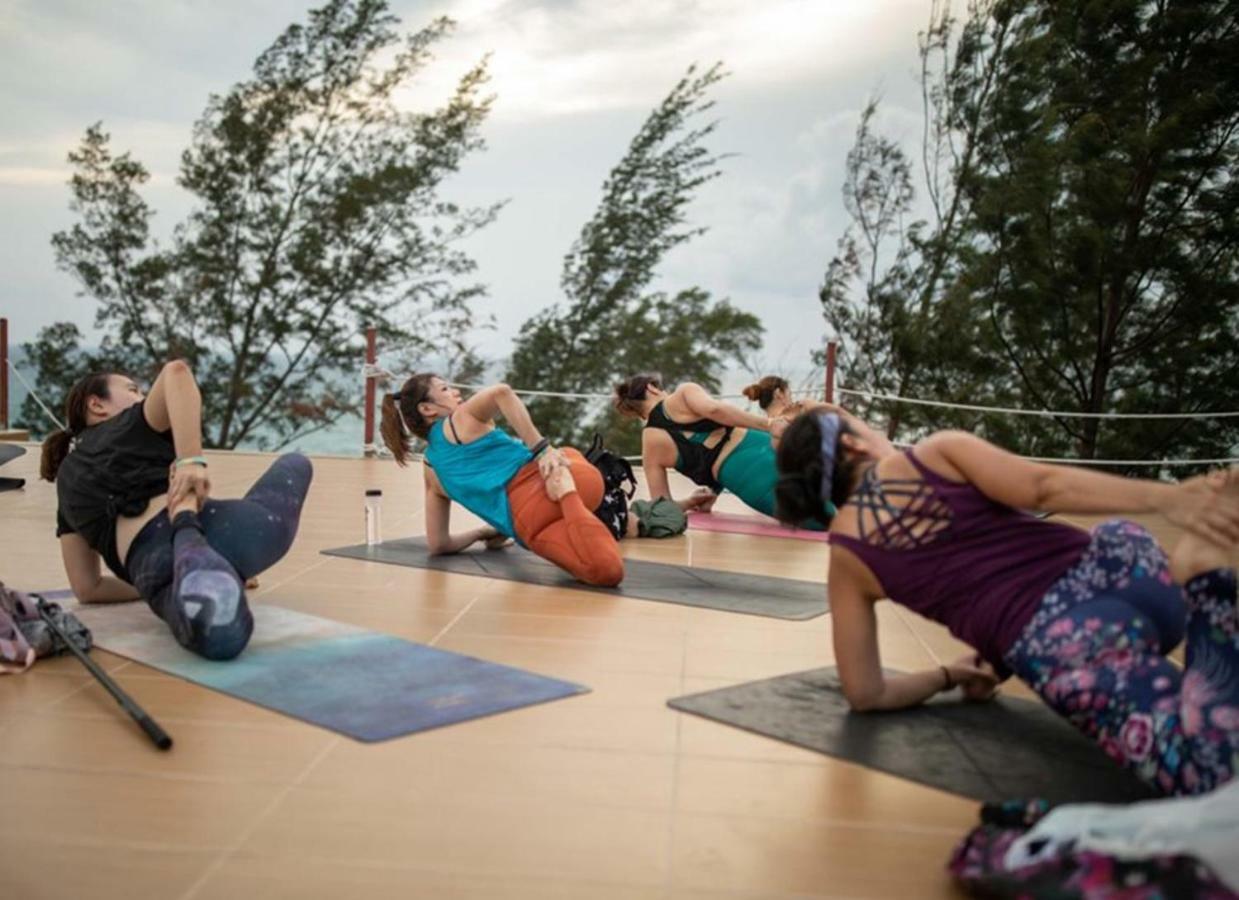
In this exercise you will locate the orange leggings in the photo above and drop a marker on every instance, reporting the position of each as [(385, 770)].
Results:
[(567, 533)]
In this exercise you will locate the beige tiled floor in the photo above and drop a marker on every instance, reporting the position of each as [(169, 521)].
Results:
[(606, 795)]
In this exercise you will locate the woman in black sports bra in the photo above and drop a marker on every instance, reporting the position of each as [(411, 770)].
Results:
[(715, 444)]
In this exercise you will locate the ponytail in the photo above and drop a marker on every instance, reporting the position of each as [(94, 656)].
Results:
[(393, 433), (400, 416), (58, 444), (55, 449)]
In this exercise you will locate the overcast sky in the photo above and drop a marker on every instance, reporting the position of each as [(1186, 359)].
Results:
[(574, 79)]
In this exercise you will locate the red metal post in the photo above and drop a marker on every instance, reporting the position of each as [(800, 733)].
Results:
[(832, 352), (4, 374), (371, 359)]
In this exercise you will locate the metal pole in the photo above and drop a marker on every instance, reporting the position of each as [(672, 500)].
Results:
[(832, 352), (158, 736), (371, 359), (4, 374)]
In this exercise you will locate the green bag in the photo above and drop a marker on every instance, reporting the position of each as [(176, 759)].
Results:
[(659, 518)]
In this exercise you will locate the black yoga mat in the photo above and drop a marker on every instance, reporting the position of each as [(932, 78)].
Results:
[(1003, 749), (9, 452), (780, 598)]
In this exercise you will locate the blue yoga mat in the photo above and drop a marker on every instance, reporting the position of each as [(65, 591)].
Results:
[(366, 685)]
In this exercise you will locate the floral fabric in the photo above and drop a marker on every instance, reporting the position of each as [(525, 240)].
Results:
[(1095, 649)]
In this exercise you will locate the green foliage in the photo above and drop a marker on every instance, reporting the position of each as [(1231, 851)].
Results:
[(610, 324), (1081, 161), (317, 212)]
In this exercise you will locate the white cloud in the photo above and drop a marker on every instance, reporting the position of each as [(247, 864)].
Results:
[(560, 59)]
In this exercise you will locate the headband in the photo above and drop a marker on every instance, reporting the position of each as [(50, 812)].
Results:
[(828, 424)]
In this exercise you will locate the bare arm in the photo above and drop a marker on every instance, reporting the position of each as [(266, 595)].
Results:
[(655, 472), (85, 571), (439, 539), (701, 404), (175, 402), (1023, 484), (855, 633), (499, 399)]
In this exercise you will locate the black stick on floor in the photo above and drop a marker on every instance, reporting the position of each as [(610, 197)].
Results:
[(149, 725)]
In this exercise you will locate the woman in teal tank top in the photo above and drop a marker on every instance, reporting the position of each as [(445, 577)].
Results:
[(715, 444), (522, 489)]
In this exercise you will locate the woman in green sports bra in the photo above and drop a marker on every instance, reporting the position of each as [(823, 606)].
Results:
[(715, 444)]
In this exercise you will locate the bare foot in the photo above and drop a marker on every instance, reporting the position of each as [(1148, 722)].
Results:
[(1194, 554)]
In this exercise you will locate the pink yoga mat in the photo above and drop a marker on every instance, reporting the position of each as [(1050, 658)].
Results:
[(733, 523)]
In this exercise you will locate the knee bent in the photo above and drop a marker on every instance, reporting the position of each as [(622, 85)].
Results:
[(606, 573)]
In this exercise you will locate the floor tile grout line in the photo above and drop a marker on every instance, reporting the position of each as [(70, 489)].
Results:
[(460, 615), (248, 832), (920, 640), (281, 583), (669, 881)]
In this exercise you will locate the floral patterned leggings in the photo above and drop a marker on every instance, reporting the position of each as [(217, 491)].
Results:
[(1095, 652)]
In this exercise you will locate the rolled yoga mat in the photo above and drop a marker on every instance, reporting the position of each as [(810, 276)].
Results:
[(758, 595), (1003, 749), (366, 685), (757, 525)]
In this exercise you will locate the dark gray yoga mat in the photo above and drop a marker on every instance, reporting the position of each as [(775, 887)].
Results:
[(780, 598), (1000, 750), (9, 452)]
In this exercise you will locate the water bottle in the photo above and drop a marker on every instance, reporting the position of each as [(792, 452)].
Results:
[(374, 502)]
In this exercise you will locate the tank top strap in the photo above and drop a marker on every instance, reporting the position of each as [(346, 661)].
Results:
[(928, 474)]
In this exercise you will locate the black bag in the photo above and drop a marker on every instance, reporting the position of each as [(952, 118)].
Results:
[(616, 475)]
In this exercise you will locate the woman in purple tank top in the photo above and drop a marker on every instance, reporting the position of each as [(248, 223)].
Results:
[(1085, 618)]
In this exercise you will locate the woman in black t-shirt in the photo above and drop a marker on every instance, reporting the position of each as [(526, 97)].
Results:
[(133, 492)]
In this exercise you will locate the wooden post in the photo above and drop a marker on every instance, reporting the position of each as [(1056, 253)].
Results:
[(832, 353), (371, 359), (4, 374)]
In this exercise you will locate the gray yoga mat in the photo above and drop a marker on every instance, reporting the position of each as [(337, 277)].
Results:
[(1003, 749), (10, 452), (758, 595)]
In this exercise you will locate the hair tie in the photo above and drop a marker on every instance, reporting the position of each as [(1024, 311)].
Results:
[(405, 430)]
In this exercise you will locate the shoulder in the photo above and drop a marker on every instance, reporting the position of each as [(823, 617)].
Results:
[(940, 452)]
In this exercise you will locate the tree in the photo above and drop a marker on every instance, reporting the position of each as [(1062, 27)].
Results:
[(1083, 256), (317, 211), (611, 325), (1107, 218), (887, 292)]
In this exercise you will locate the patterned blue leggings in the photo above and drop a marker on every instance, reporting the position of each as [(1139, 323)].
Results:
[(1095, 652), (191, 571)]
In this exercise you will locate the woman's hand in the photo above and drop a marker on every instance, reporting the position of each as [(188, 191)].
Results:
[(701, 500), (975, 677), (1201, 506), (550, 458), (186, 482), (493, 539)]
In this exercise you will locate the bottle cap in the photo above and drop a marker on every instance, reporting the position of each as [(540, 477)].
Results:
[(374, 492)]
